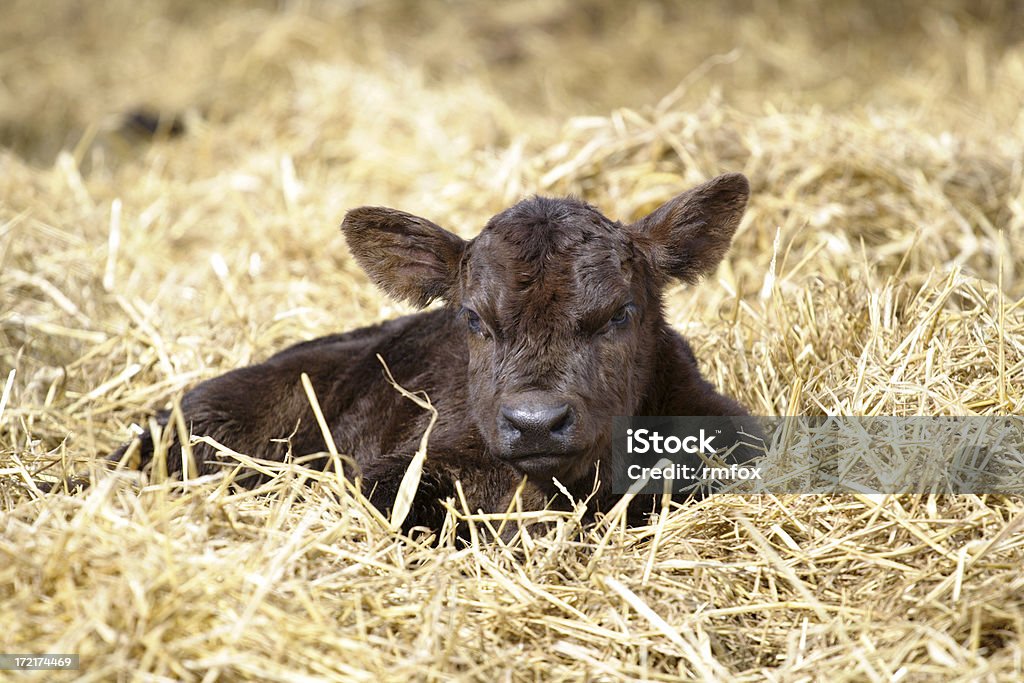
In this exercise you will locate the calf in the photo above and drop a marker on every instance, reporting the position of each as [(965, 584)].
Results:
[(552, 325)]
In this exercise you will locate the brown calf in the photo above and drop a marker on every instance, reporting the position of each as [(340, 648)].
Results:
[(552, 325)]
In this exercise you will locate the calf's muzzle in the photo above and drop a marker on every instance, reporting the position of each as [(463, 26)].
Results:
[(537, 431)]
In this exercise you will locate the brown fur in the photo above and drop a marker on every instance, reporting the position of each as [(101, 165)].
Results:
[(553, 325)]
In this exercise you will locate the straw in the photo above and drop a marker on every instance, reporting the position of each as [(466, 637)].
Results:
[(877, 272)]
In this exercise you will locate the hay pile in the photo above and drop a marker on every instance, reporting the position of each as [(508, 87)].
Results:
[(877, 272)]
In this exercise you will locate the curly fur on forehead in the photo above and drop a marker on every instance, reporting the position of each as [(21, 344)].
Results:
[(545, 265), (537, 226)]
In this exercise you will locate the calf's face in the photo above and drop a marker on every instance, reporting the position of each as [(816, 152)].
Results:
[(561, 308)]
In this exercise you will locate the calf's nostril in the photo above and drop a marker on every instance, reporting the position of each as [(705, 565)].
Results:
[(563, 422)]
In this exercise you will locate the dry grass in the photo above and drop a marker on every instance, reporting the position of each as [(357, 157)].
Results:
[(877, 272)]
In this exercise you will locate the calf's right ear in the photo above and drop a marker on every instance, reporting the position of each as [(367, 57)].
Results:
[(407, 256)]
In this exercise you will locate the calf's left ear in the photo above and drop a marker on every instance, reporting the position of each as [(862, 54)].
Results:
[(687, 236), (407, 256)]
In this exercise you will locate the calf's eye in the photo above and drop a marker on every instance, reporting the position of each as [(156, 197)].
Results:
[(622, 316), (473, 321)]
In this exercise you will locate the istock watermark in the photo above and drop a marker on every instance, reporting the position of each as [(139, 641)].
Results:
[(648, 441), (819, 454), (679, 455)]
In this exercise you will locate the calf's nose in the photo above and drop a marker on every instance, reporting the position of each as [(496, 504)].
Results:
[(537, 422)]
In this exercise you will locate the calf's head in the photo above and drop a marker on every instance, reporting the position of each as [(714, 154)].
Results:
[(560, 308)]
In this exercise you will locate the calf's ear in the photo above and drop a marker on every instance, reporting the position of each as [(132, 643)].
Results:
[(407, 256), (687, 236)]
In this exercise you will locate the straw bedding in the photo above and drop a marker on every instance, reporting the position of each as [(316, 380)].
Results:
[(877, 272)]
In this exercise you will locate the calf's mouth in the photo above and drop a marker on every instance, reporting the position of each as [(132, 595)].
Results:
[(544, 465)]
